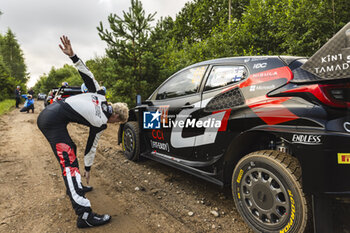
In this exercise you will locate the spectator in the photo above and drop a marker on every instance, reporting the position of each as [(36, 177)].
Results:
[(31, 92), (28, 104), (18, 96)]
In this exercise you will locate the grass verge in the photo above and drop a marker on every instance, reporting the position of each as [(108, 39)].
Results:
[(6, 106)]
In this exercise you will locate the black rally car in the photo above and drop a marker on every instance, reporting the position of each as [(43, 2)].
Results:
[(275, 128), (61, 93)]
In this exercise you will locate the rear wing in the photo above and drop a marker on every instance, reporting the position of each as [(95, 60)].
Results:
[(332, 61)]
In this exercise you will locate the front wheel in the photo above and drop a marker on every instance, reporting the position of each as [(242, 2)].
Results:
[(131, 140), (266, 187)]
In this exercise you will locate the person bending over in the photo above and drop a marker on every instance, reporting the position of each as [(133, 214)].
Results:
[(89, 109)]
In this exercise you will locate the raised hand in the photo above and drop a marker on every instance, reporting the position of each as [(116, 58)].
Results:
[(66, 48)]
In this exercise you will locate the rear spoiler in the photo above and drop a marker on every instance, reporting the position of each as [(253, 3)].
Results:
[(332, 61)]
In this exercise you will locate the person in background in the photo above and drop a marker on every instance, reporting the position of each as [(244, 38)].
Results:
[(18, 96), (28, 104), (31, 92)]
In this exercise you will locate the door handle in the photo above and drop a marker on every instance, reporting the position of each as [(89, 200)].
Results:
[(187, 106)]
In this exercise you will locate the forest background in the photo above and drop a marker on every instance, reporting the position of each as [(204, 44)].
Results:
[(140, 56)]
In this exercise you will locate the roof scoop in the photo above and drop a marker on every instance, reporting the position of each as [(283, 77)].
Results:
[(332, 61)]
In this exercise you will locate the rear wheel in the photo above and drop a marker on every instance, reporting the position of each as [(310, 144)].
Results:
[(131, 140), (267, 191)]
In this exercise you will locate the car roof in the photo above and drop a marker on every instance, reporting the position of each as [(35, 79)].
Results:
[(245, 59)]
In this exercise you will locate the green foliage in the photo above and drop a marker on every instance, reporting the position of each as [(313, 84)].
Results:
[(197, 19), (7, 83), (55, 78), (6, 105), (13, 57), (12, 66), (269, 27), (128, 47)]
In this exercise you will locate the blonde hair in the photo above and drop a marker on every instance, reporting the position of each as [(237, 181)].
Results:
[(122, 110)]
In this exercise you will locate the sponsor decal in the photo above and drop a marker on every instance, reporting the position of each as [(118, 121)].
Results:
[(158, 134), (330, 68), (222, 75), (151, 120), (307, 139), (265, 74), (261, 88), (94, 99), (347, 126), (332, 61), (97, 108), (343, 158), (259, 65), (194, 123), (239, 178), (160, 145), (259, 58), (292, 213), (164, 113)]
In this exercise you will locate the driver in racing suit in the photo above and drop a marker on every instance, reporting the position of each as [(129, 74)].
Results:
[(90, 109)]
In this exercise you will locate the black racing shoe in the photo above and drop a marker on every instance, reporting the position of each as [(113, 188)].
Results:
[(92, 220), (87, 189)]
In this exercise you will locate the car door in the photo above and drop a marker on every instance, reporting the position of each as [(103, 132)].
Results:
[(222, 100), (172, 102)]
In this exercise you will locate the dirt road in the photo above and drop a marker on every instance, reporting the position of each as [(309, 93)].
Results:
[(141, 197)]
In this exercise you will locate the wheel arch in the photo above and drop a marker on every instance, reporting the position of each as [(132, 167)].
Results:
[(258, 138), (132, 117)]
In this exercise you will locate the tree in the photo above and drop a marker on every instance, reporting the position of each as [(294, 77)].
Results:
[(7, 83), (197, 19), (127, 45), (13, 57)]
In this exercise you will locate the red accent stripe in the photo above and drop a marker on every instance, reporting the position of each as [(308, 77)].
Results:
[(316, 90), (271, 111), (224, 119), (62, 147), (229, 88), (73, 171)]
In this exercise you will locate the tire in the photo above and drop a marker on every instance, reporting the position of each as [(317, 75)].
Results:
[(267, 190), (131, 141)]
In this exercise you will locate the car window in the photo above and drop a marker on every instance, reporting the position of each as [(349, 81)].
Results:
[(184, 83), (224, 75)]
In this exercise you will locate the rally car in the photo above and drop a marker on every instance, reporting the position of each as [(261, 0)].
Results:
[(61, 93), (274, 128), (41, 96)]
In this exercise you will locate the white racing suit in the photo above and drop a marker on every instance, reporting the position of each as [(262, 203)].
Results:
[(90, 109)]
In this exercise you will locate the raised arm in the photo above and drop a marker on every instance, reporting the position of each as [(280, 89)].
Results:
[(88, 78)]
